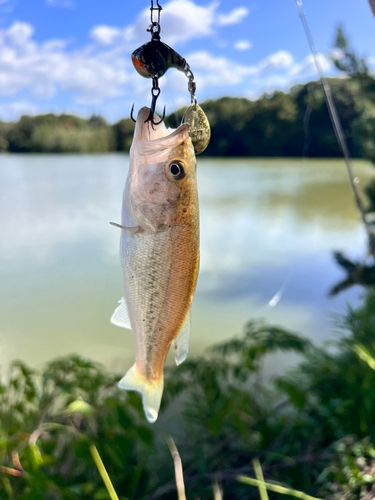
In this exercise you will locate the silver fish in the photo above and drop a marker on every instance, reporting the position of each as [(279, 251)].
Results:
[(159, 252)]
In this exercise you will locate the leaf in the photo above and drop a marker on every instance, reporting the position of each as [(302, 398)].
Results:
[(36, 456), (80, 406), (7, 486), (364, 354), (368, 478), (296, 394)]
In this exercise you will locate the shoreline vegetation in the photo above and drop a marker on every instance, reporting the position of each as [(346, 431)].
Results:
[(312, 428), (278, 124), (292, 124)]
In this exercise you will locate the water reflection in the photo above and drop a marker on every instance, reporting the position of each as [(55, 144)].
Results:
[(267, 230)]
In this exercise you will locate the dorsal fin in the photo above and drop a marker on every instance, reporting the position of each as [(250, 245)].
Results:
[(121, 316)]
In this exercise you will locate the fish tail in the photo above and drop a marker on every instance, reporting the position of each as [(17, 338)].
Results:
[(151, 391)]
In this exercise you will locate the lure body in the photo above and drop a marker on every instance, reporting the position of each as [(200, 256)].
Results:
[(153, 59), (159, 253)]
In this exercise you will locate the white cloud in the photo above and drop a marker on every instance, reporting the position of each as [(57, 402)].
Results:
[(274, 71), (46, 68), (242, 45), (235, 16), (219, 71), (19, 33), (215, 71), (181, 20), (105, 35), (280, 60), (61, 3), (307, 66), (278, 71)]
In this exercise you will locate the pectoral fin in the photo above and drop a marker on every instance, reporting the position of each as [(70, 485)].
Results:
[(121, 316), (181, 342), (131, 230)]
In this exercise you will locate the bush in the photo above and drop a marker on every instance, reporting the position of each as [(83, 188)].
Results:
[(224, 416)]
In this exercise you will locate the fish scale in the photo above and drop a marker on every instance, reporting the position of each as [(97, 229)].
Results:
[(160, 303), (142, 255)]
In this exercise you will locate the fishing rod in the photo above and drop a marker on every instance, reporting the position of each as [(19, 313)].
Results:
[(337, 127)]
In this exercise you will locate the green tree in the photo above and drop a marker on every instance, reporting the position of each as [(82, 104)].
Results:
[(345, 58), (123, 134)]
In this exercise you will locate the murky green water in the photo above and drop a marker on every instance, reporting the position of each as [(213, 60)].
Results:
[(267, 231)]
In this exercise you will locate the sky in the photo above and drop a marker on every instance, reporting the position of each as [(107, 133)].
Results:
[(73, 56)]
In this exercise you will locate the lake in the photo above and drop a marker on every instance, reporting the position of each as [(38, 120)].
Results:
[(268, 229)]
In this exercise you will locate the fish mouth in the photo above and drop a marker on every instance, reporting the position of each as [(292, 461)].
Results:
[(145, 130), (152, 139)]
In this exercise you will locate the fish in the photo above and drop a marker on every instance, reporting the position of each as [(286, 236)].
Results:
[(159, 253)]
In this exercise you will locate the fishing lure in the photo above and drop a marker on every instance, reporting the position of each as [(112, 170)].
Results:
[(152, 60)]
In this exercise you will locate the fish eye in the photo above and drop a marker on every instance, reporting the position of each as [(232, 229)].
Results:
[(175, 170)]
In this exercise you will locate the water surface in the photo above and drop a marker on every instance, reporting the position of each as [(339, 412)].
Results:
[(268, 228)]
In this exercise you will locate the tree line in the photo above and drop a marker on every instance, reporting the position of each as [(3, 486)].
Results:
[(281, 124)]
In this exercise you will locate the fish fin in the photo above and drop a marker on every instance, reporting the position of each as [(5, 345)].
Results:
[(151, 392), (132, 230), (181, 342), (121, 316)]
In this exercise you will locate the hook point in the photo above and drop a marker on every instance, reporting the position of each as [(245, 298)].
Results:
[(151, 118), (131, 114)]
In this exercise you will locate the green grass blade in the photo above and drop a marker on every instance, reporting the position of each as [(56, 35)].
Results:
[(102, 471), (365, 355), (259, 475), (275, 487)]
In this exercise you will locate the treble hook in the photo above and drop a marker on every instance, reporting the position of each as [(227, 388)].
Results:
[(155, 92)]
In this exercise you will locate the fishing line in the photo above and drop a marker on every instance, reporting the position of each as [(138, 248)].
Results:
[(306, 124), (336, 123)]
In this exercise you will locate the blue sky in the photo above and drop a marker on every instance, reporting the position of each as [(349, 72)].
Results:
[(74, 55)]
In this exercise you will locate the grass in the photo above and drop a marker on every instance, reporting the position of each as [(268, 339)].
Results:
[(259, 482), (103, 473), (262, 486)]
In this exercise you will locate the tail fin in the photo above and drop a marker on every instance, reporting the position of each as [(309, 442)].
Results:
[(151, 392)]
